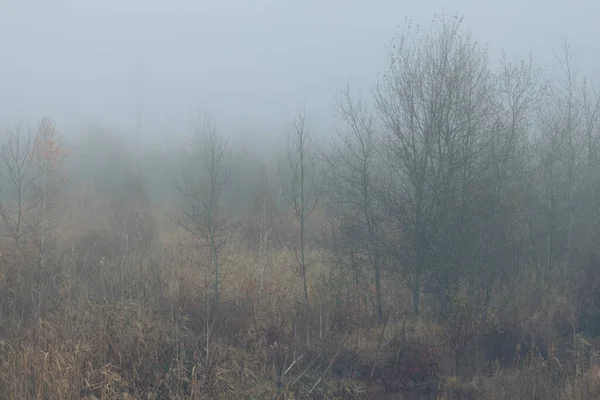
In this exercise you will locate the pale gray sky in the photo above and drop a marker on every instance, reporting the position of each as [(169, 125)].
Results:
[(251, 63)]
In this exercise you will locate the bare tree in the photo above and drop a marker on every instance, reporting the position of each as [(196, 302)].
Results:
[(590, 188), (519, 88), (435, 105), (259, 231), (570, 111), (20, 175), (202, 187), (353, 165), (267, 219), (560, 150), (49, 156), (302, 190)]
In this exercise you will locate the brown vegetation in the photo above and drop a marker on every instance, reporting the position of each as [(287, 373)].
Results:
[(450, 253), (89, 326)]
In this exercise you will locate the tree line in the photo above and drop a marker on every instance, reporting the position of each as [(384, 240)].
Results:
[(456, 180), (451, 180)]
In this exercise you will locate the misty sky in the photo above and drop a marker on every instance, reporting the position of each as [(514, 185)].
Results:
[(251, 63)]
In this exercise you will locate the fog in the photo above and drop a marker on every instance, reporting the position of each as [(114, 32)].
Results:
[(300, 199), (250, 63)]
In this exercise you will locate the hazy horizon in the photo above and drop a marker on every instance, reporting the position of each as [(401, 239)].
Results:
[(251, 64)]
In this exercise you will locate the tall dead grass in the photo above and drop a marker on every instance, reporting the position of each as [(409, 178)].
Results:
[(92, 325)]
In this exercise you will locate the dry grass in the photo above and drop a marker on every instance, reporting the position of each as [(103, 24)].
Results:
[(91, 325)]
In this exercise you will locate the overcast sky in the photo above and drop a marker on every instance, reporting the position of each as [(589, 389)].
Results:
[(251, 63)]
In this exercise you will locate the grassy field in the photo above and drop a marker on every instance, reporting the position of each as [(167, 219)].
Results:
[(93, 323)]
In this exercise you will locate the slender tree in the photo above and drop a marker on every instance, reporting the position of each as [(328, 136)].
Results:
[(49, 155), (302, 189), (560, 156), (505, 181), (353, 165), (20, 176), (202, 187), (266, 216)]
